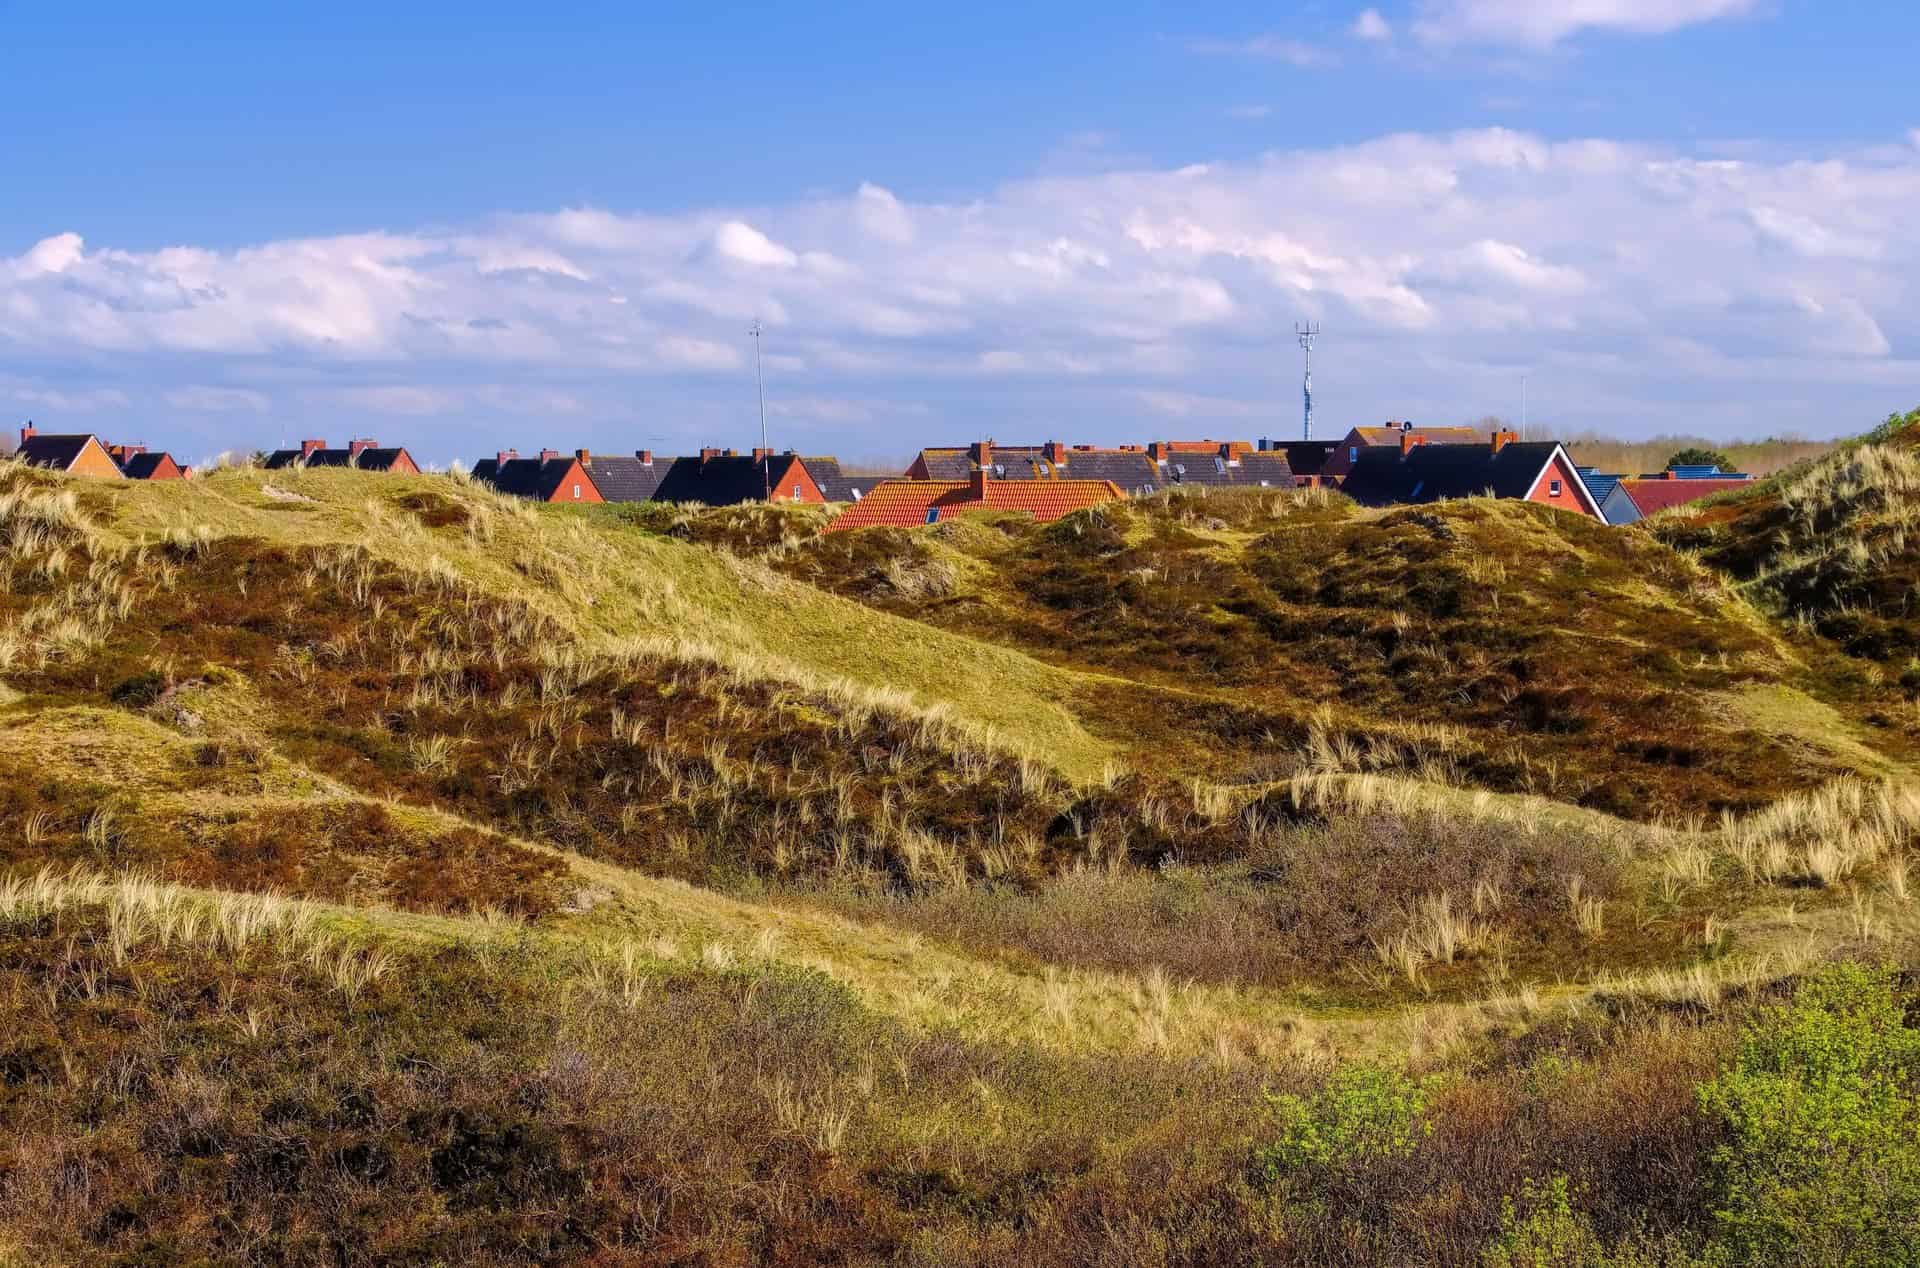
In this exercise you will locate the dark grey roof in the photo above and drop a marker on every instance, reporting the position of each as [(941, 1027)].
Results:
[(1019, 462), (1428, 473), (1305, 457), (625, 478), (1131, 470), (365, 460), (525, 477), (836, 485), (724, 480), (141, 466), (57, 452), (1243, 470)]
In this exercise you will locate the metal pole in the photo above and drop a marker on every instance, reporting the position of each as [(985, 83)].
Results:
[(1306, 335)]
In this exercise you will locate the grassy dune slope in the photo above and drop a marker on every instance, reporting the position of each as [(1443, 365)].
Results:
[(389, 874), (1538, 652), (611, 586)]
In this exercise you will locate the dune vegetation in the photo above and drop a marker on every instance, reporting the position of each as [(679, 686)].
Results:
[(391, 873)]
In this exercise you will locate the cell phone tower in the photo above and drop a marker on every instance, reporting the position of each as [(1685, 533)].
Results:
[(1306, 335), (760, 393)]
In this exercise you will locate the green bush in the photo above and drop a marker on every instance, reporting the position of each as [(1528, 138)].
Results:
[(1364, 1114), (1696, 456), (1544, 1231), (1822, 1107)]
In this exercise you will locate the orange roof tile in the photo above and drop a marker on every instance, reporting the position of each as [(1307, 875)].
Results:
[(906, 503)]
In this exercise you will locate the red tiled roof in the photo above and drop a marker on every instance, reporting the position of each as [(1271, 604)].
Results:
[(906, 503), (1660, 495)]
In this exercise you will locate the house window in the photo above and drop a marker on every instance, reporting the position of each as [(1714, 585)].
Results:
[(796, 493), (1353, 453), (576, 492), (1553, 488), (933, 514)]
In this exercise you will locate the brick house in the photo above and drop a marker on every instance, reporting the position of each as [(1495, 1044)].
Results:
[(907, 503), (1391, 436), (550, 477), (1307, 459), (1128, 466), (836, 485), (722, 477), (75, 453), (625, 477), (1500, 466), (1220, 464), (137, 464), (365, 454)]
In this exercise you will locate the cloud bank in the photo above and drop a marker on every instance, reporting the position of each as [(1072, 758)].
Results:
[(1641, 288), (1543, 23)]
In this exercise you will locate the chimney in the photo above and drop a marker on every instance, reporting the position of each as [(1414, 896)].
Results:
[(1407, 443), (28, 432), (548, 455), (308, 448), (584, 457), (708, 455), (761, 455), (1157, 451), (504, 456), (1055, 452), (357, 447), (1502, 438), (1226, 449), (981, 469), (645, 456)]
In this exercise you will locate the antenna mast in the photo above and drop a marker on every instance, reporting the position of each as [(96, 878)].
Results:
[(1306, 335), (760, 391)]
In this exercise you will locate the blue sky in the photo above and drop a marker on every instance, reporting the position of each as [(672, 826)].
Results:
[(463, 227)]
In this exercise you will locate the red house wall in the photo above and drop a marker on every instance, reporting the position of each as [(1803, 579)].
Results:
[(796, 473), (1569, 499), (576, 474)]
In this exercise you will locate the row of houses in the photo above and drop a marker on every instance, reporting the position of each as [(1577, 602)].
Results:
[(86, 454), (716, 477), (1395, 463)]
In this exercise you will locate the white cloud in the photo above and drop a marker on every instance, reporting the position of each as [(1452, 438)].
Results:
[(1543, 23), (83, 401), (1195, 405), (218, 400), (1371, 26), (740, 241), (1276, 48), (882, 215), (403, 399), (1433, 260)]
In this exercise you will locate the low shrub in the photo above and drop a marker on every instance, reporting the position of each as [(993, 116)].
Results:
[(1822, 1103)]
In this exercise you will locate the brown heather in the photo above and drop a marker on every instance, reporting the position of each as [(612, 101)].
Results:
[(391, 873)]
